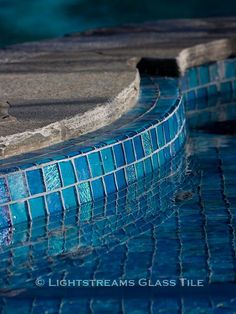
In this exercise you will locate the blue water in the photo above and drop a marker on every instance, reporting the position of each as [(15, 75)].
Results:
[(28, 20), (176, 223)]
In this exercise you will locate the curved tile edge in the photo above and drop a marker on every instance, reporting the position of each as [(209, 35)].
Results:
[(145, 145)]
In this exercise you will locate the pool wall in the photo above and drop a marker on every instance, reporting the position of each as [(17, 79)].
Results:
[(154, 133)]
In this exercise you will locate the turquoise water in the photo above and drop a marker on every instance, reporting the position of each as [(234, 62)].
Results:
[(179, 222), (28, 20)]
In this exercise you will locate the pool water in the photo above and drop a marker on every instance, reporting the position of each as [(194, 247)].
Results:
[(178, 222)]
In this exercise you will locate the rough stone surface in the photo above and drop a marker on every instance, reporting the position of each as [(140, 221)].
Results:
[(65, 87)]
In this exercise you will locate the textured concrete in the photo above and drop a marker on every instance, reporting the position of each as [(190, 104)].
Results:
[(65, 87)]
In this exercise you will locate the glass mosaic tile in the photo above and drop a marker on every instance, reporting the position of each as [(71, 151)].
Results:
[(108, 160), (84, 192), (17, 186), (95, 164), (67, 173), (35, 181), (54, 203), (110, 183), (119, 155), (204, 74), (4, 193), (129, 151), (19, 212), (120, 178), (4, 217), (97, 188), (192, 77), (70, 198), (52, 177), (138, 147), (82, 168), (130, 174), (37, 207), (147, 144)]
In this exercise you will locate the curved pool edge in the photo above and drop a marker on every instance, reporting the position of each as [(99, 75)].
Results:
[(84, 175), (80, 124)]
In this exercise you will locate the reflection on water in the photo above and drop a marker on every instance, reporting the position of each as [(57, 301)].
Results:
[(69, 243), (177, 223)]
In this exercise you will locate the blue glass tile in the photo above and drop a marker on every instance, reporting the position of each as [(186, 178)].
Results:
[(54, 202), (213, 69), (204, 74), (130, 174), (212, 90), (226, 89), (167, 131), (82, 168), (110, 183), (229, 68), (191, 95), (184, 83), (192, 77), (95, 164), (52, 177), (160, 135), (70, 198), (37, 207), (177, 144), (138, 147), (19, 212), (17, 186), (191, 105), (97, 188), (120, 178), (108, 160), (67, 173), (4, 193), (202, 92), (167, 153), (129, 151), (155, 161), (4, 217), (175, 123), (84, 192), (43, 161), (147, 144), (167, 86), (85, 211), (119, 155), (154, 138), (86, 149), (161, 157), (172, 126), (35, 181), (139, 169), (148, 165)]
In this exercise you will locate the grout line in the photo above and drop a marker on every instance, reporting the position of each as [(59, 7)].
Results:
[(111, 172)]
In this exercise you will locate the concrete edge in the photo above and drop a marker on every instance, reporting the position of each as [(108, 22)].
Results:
[(65, 129), (203, 53), (107, 113)]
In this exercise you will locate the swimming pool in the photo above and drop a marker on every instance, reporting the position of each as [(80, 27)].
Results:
[(175, 221)]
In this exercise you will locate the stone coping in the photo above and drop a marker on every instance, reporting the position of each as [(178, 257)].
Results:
[(63, 88)]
